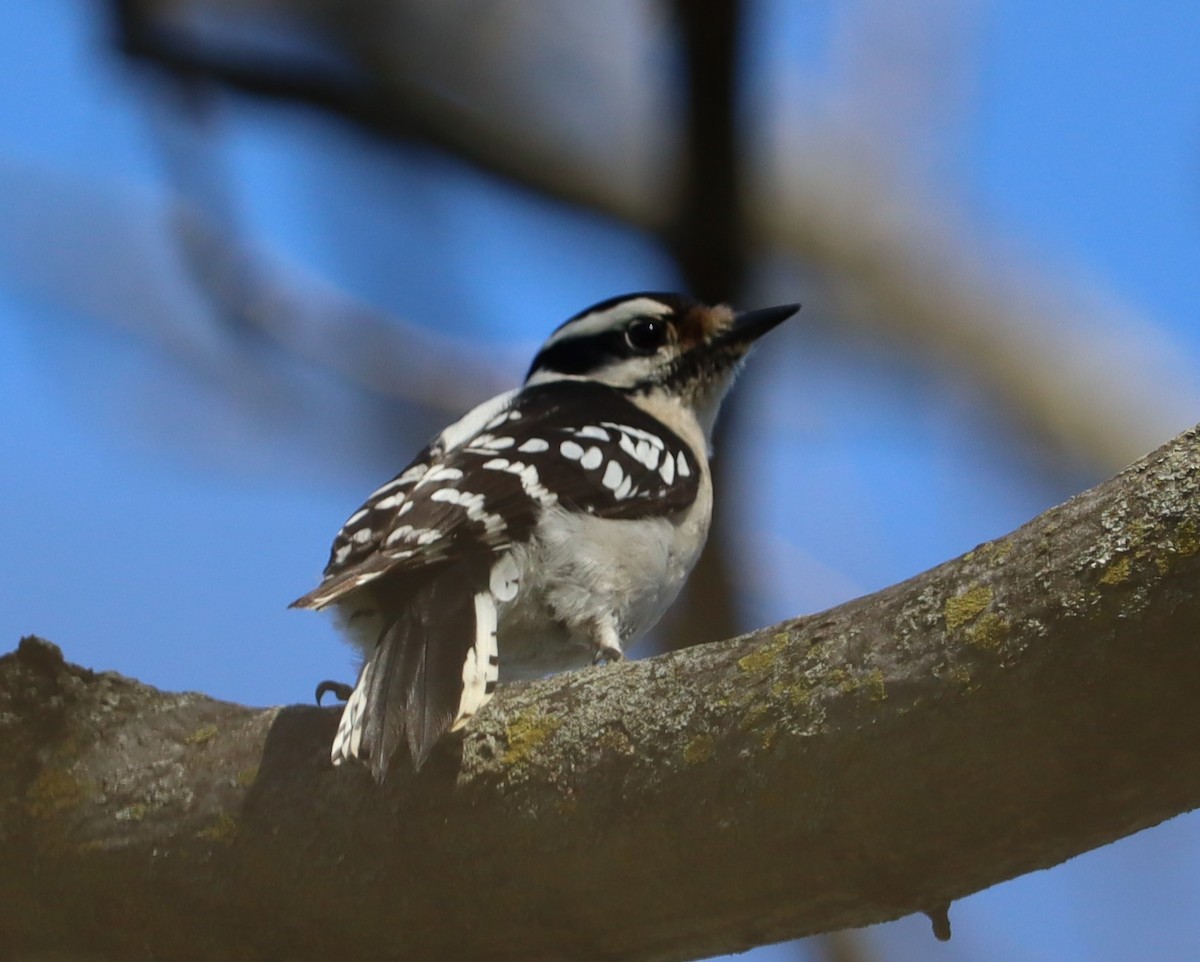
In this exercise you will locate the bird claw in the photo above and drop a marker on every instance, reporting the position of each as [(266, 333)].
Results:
[(339, 689), (607, 654)]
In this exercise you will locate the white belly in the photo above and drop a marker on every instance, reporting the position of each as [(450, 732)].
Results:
[(584, 569)]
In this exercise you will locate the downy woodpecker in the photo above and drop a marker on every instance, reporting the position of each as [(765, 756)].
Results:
[(548, 528)]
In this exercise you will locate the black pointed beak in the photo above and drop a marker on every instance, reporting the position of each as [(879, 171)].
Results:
[(751, 325)]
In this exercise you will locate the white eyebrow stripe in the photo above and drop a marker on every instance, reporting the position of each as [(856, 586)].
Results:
[(608, 319)]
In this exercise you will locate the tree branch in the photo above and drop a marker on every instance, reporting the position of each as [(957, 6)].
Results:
[(1004, 711)]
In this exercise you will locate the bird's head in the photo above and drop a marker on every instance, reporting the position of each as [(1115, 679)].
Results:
[(657, 345)]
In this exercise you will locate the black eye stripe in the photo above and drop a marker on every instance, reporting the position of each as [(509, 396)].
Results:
[(602, 328), (590, 352), (579, 355)]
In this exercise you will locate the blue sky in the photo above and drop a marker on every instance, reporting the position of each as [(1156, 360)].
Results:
[(1086, 143), (158, 528)]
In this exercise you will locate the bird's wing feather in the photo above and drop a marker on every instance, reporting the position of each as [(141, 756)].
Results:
[(584, 447)]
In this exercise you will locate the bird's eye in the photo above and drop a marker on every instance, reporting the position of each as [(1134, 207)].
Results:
[(646, 335)]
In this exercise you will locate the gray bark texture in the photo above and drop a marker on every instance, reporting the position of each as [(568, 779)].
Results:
[(1030, 700)]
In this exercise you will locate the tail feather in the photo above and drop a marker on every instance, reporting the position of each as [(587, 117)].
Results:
[(434, 666), (348, 740), (481, 667)]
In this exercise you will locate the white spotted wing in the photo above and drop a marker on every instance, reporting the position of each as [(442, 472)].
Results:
[(481, 485)]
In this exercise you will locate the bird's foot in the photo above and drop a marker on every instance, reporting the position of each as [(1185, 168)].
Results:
[(339, 689), (607, 654)]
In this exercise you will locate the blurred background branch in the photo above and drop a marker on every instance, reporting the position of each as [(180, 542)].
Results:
[(824, 186)]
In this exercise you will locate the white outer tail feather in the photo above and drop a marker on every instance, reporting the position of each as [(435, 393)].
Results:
[(348, 740), (480, 673), (481, 668)]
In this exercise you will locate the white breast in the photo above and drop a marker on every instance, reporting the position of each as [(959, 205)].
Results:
[(582, 568)]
